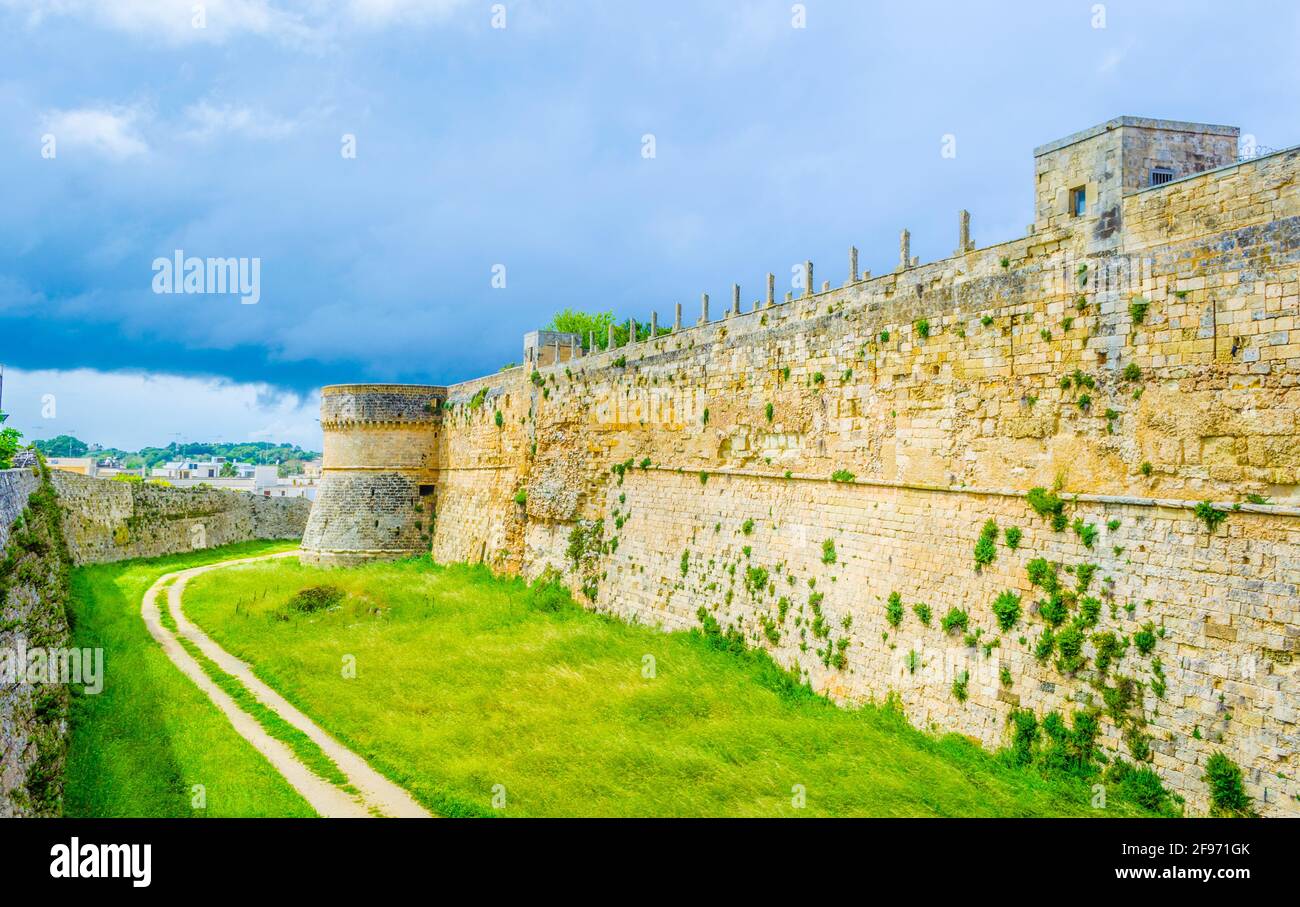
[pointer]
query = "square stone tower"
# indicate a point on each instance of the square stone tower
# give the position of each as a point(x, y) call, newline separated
point(1079, 180)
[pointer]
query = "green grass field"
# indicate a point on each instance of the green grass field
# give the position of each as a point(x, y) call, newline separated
point(139, 746)
point(467, 685)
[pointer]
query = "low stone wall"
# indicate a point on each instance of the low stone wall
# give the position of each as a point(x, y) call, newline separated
point(107, 521)
point(33, 616)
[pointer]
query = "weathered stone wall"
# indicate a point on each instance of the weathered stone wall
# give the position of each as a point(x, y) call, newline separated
point(379, 461)
point(33, 600)
point(106, 521)
point(16, 486)
point(1139, 380)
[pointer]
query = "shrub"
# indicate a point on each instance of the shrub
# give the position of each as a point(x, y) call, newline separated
point(1086, 532)
point(1024, 736)
point(1013, 536)
point(894, 609)
point(1042, 573)
point(828, 552)
point(769, 411)
point(986, 549)
point(1228, 798)
point(959, 686)
point(1138, 308)
point(316, 598)
point(842, 475)
point(922, 612)
point(1146, 468)
point(922, 328)
point(986, 320)
point(1210, 516)
point(1069, 642)
point(955, 619)
point(1132, 372)
point(747, 527)
point(818, 377)
point(521, 496)
point(1048, 505)
point(1006, 607)
point(884, 336)
point(686, 562)
point(1145, 639)
point(499, 419)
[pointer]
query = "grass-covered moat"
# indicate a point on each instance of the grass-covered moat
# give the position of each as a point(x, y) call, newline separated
point(483, 696)
point(150, 743)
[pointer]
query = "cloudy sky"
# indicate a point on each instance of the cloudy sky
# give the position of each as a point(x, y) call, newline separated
point(130, 129)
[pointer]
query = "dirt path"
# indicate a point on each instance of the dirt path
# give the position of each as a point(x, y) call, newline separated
point(376, 794)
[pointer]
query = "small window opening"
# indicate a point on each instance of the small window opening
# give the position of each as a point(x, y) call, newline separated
point(1078, 201)
point(426, 490)
point(1161, 175)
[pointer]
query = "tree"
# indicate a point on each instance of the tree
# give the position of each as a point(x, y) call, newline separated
point(63, 446)
point(228, 470)
point(9, 443)
point(585, 324)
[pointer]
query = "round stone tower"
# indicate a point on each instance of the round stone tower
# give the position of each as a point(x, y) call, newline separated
point(376, 495)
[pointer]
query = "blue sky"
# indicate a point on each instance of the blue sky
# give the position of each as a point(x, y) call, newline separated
point(478, 146)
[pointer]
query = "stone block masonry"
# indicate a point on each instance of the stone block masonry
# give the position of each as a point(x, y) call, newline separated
point(33, 617)
point(792, 468)
point(107, 521)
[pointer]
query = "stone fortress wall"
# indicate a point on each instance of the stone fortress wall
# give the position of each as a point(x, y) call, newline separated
point(106, 521)
point(1138, 358)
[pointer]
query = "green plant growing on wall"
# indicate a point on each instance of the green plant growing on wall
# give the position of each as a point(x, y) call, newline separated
point(645, 463)
point(1024, 736)
point(842, 476)
point(1138, 309)
point(1145, 639)
point(959, 686)
point(769, 411)
point(704, 477)
point(1004, 675)
point(499, 419)
point(922, 327)
point(894, 609)
point(986, 320)
point(536, 378)
point(620, 362)
point(1132, 372)
point(1228, 797)
point(1085, 402)
point(913, 661)
point(1049, 506)
point(1210, 515)
point(1012, 536)
point(1006, 608)
point(921, 610)
point(704, 418)
point(828, 552)
point(1046, 335)
point(986, 548)
point(1042, 573)
point(1086, 532)
point(818, 378)
point(1067, 323)
point(747, 527)
point(1046, 645)
point(884, 336)
point(1146, 468)
point(1069, 643)
point(847, 376)
point(955, 619)
point(521, 496)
